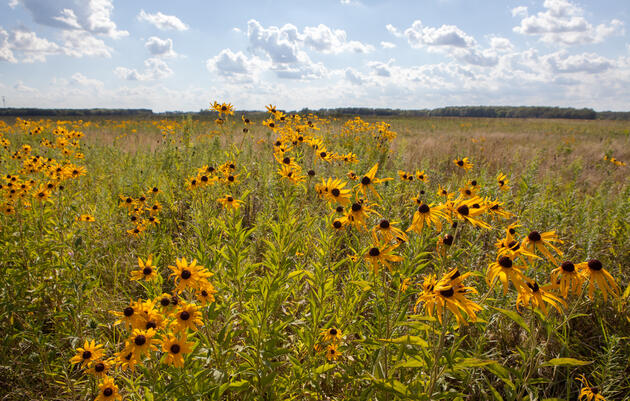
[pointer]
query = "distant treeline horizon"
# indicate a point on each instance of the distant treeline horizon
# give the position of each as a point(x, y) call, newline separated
point(451, 111)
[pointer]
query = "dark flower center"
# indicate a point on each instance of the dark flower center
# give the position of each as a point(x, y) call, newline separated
point(374, 252)
point(460, 163)
point(87, 354)
point(337, 224)
point(286, 160)
point(594, 390)
point(501, 182)
point(99, 367)
point(231, 178)
point(494, 207)
point(150, 325)
point(505, 262)
point(384, 224)
point(448, 240)
point(455, 275)
point(534, 236)
point(311, 172)
point(366, 181)
point(512, 231)
point(595, 264)
point(468, 192)
point(322, 154)
point(204, 178)
point(568, 267)
point(174, 300)
point(335, 192)
point(356, 207)
point(108, 392)
point(332, 332)
point(140, 340)
point(339, 209)
point(175, 348)
point(204, 293)
point(230, 199)
point(463, 210)
point(128, 311)
point(473, 183)
point(514, 245)
point(534, 287)
point(186, 274)
point(184, 315)
point(475, 206)
point(424, 208)
point(164, 302)
point(147, 271)
point(447, 293)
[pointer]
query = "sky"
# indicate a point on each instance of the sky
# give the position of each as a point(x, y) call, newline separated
point(409, 54)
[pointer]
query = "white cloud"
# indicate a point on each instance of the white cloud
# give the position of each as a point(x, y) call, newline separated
point(520, 11)
point(284, 48)
point(591, 63)
point(393, 30)
point(163, 21)
point(387, 45)
point(6, 54)
point(81, 43)
point(562, 22)
point(160, 47)
point(34, 48)
point(420, 36)
point(81, 80)
point(382, 69)
point(353, 76)
point(93, 16)
point(236, 66)
point(155, 69)
point(499, 43)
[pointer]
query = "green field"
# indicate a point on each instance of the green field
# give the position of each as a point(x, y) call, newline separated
point(297, 306)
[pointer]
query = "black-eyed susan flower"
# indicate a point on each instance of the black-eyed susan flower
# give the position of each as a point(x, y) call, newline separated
point(130, 315)
point(187, 275)
point(567, 279)
point(332, 352)
point(463, 163)
point(468, 191)
point(589, 392)
point(429, 215)
point(174, 348)
point(536, 241)
point(89, 353)
point(205, 293)
point(448, 293)
point(596, 274)
point(405, 176)
point(353, 176)
point(381, 255)
point(357, 214)
point(444, 242)
point(538, 297)
point(422, 176)
point(142, 341)
point(368, 181)
point(388, 231)
point(331, 334)
point(146, 270)
point(126, 359)
point(99, 368)
point(336, 192)
point(108, 390)
point(228, 202)
point(469, 210)
point(187, 316)
point(503, 181)
point(86, 218)
point(505, 269)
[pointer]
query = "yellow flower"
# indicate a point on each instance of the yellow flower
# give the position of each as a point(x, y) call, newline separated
point(142, 341)
point(87, 354)
point(368, 181)
point(146, 270)
point(229, 202)
point(388, 231)
point(427, 214)
point(537, 241)
point(505, 270)
point(99, 368)
point(567, 278)
point(463, 163)
point(107, 390)
point(382, 255)
point(187, 275)
point(594, 270)
point(588, 392)
point(538, 297)
point(332, 352)
point(174, 348)
point(503, 182)
point(187, 316)
point(331, 334)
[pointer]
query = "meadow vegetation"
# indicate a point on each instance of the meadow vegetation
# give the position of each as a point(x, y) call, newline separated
point(307, 258)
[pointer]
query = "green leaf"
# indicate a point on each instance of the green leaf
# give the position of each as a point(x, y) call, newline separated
point(408, 340)
point(364, 285)
point(410, 363)
point(324, 368)
point(514, 317)
point(472, 363)
point(566, 362)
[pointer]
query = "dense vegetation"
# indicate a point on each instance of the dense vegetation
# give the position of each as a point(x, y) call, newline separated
point(334, 258)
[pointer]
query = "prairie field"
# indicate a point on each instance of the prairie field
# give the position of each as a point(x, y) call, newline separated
point(297, 257)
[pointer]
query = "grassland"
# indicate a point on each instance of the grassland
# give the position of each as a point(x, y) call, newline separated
point(284, 276)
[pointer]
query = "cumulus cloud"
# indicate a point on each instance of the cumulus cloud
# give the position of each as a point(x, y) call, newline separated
point(31, 46)
point(163, 21)
point(79, 79)
point(323, 39)
point(520, 11)
point(563, 22)
point(6, 54)
point(160, 47)
point(79, 44)
point(353, 76)
point(94, 16)
point(236, 66)
point(155, 69)
point(420, 36)
point(387, 45)
point(393, 30)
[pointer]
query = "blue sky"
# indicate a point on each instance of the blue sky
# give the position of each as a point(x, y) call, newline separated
point(167, 55)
